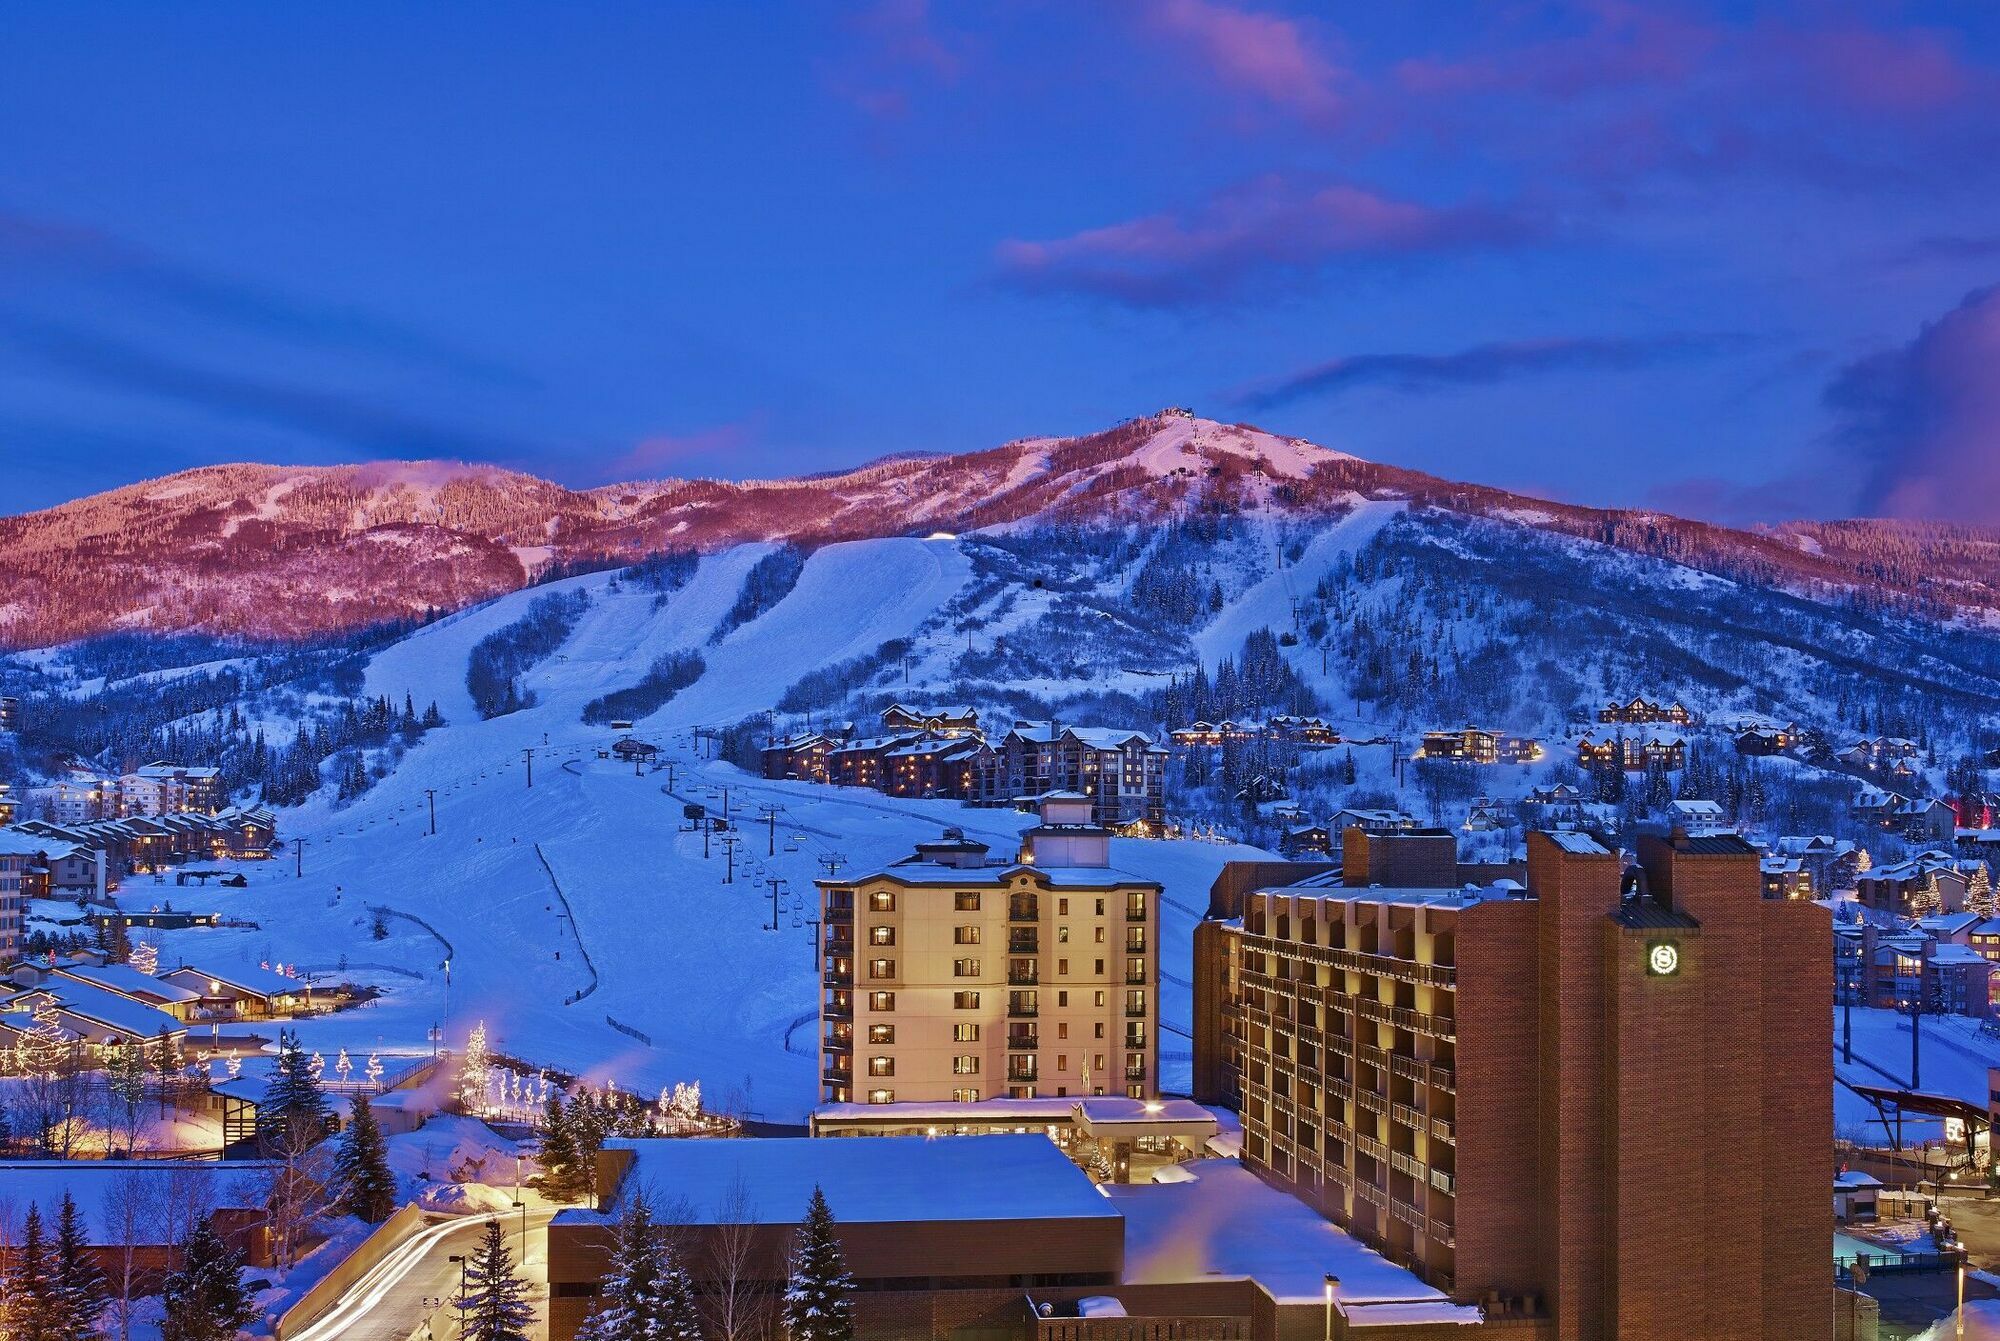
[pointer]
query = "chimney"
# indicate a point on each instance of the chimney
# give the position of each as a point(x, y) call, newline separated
point(103, 876)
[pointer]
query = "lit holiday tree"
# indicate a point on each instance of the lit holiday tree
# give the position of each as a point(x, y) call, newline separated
point(374, 1071)
point(1979, 893)
point(342, 1067)
point(475, 1074)
point(146, 957)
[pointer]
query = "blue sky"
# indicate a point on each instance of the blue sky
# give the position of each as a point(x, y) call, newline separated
point(1727, 259)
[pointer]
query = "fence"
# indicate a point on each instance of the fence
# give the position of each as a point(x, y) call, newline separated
point(629, 1031)
point(574, 930)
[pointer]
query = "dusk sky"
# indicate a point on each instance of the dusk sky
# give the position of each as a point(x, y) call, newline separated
point(1733, 260)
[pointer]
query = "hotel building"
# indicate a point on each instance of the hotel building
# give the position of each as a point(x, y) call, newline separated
point(1597, 1103)
point(951, 976)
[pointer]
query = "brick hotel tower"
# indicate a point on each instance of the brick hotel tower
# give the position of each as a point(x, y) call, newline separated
point(1599, 1105)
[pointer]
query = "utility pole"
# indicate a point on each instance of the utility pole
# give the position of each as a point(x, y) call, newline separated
point(725, 803)
point(771, 820)
point(299, 857)
point(812, 923)
point(529, 755)
point(706, 829)
point(670, 775)
point(774, 882)
point(729, 842)
point(431, 792)
point(833, 861)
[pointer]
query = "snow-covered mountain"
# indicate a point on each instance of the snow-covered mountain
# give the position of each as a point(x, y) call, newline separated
point(272, 552)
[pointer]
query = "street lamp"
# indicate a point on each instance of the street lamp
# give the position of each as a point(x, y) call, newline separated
point(457, 1305)
point(1332, 1284)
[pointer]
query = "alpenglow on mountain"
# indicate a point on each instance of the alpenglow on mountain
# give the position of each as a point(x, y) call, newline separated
point(288, 552)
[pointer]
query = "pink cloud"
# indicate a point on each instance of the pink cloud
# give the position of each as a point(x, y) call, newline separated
point(1265, 55)
point(1926, 418)
point(1910, 70)
point(897, 49)
point(1272, 224)
point(678, 453)
point(1622, 46)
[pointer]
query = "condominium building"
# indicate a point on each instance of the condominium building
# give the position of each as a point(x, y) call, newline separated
point(19, 857)
point(953, 976)
point(1542, 1095)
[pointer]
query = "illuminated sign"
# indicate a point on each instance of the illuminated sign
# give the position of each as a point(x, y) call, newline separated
point(1663, 958)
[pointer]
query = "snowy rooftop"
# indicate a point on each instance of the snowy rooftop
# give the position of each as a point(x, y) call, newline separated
point(867, 1179)
point(1225, 1221)
point(246, 978)
point(1098, 1109)
point(128, 981)
point(912, 872)
point(1436, 1312)
point(102, 1006)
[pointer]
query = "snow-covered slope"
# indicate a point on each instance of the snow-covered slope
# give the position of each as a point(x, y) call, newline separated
point(583, 923)
point(291, 553)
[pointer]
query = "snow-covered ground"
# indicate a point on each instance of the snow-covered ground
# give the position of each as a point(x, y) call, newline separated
point(1953, 1061)
point(580, 905)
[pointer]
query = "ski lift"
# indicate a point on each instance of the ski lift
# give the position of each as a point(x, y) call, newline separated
point(795, 918)
point(791, 847)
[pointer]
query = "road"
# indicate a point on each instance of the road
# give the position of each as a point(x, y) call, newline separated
point(401, 1292)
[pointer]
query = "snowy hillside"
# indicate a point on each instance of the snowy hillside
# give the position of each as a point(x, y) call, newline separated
point(587, 884)
point(299, 553)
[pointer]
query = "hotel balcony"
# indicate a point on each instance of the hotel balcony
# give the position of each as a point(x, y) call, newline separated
point(1023, 1038)
point(1021, 1010)
point(838, 1006)
point(1024, 941)
point(1020, 1074)
point(1024, 910)
point(1026, 977)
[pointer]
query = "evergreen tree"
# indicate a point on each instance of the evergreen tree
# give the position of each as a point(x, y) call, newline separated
point(294, 1106)
point(205, 1299)
point(561, 1170)
point(80, 1296)
point(492, 1307)
point(114, 940)
point(818, 1292)
point(367, 1189)
point(31, 1311)
point(650, 1297)
point(125, 1079)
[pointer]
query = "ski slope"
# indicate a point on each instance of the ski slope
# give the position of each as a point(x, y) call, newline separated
point(849, 600)
point(582, 923)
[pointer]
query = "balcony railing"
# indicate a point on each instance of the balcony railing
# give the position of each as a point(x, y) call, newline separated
point(1023, 910)
point(1026, 1040)
point(1024, 941)
point(1023, 978)
point(1021, 1011)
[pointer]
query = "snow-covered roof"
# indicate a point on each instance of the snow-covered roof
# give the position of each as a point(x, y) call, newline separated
point(261, 981)
point(99, 1006)
point(1224, 1221)
point(128, 981)
point(866, 1179)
